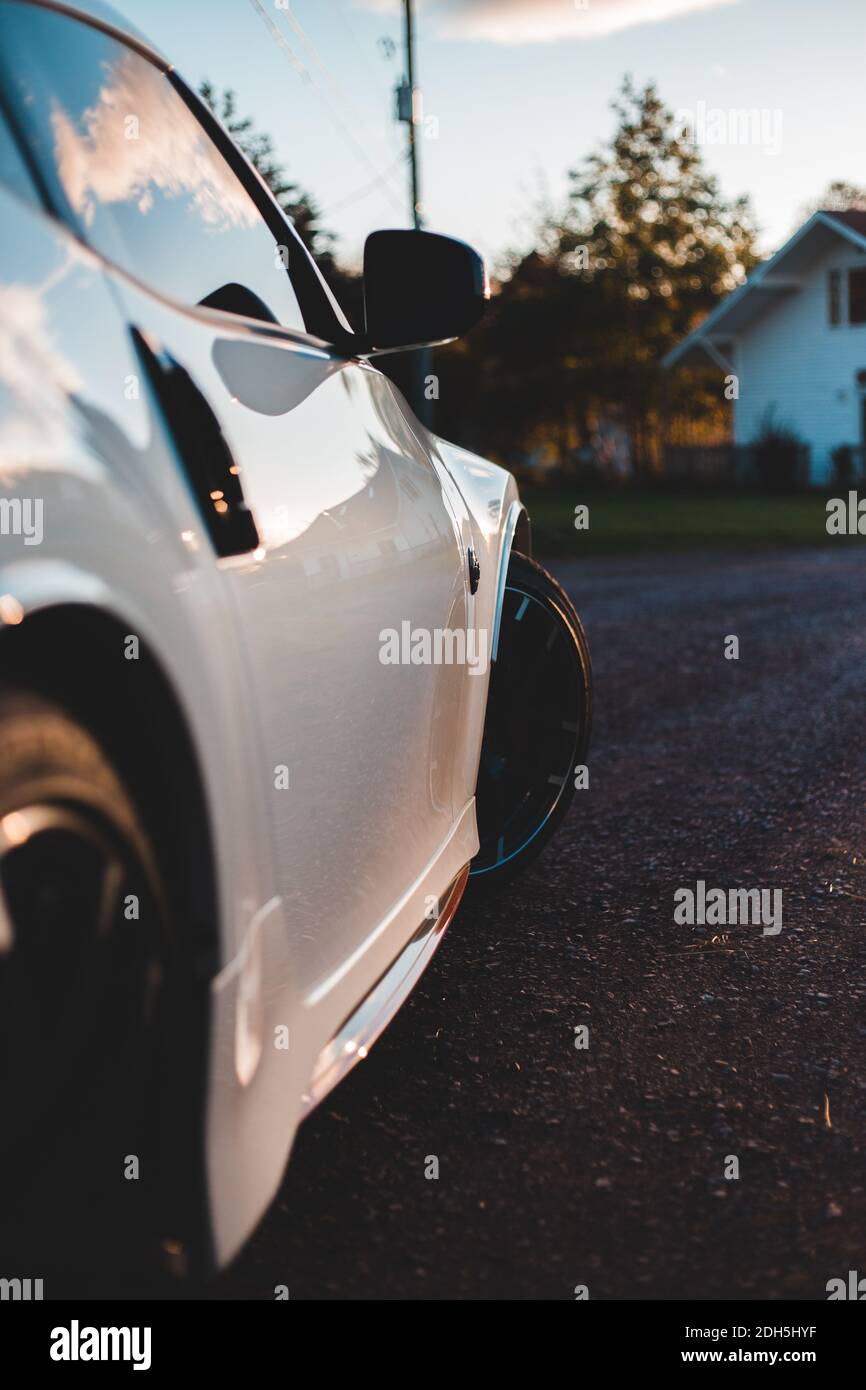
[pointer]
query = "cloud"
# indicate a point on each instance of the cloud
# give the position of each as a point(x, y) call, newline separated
point(543, 21)
point(101, 158)
point(35, 381)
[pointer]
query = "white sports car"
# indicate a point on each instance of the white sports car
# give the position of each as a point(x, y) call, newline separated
point(277, 674)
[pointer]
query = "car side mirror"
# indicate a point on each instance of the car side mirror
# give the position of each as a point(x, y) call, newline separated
point(420, 288)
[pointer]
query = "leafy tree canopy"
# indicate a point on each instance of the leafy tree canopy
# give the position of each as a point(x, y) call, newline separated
point(644, 247)
point(838, 196)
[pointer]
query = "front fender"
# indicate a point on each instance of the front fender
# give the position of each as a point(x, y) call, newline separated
point(497, 519)
point(491, 518)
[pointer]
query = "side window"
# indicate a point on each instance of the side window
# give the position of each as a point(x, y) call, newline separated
point(133, 171)
point(14, 173)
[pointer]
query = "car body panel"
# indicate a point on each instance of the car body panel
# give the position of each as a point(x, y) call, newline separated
point(371, 816)
point(364, 522)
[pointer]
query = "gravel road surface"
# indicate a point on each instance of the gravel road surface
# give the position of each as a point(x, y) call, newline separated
point(605, 1166)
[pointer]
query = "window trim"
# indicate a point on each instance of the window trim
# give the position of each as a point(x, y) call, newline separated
point(322, 319)
point(859, 269)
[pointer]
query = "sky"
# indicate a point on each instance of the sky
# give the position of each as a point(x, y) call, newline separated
point(517, 92)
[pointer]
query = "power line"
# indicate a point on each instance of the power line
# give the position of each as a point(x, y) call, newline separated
point(304, 73)
point(332, 81)
point(367, 188)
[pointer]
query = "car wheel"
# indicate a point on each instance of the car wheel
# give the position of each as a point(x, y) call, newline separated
point(537, 725)
point(84, 964)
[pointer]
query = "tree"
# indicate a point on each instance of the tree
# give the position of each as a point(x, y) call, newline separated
point(644, 248)
point(656, 229)
point(838, 196)
point(660, 247)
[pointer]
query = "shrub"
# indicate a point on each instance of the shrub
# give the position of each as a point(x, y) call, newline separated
point(779, 455)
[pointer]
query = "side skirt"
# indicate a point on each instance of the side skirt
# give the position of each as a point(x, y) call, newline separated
point(361, 1029)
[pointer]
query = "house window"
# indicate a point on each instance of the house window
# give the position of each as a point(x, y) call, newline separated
point(834, 296)
point(857, 295)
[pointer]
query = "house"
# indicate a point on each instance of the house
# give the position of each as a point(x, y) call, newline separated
point(794, 337)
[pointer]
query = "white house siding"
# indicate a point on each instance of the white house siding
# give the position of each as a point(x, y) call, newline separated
point(793, 359)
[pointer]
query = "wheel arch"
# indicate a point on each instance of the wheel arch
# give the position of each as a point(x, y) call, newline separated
point(69, 651)
point(522, 538)
point(516, 535)
point(72, 652)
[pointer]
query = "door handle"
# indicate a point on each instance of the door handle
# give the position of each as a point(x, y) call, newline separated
point(207, 459)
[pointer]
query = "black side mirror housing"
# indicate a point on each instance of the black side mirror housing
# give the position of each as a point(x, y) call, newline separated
point(420, 289)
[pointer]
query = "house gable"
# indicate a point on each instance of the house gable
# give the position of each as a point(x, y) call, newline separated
point(774, 279)
point(776, 336)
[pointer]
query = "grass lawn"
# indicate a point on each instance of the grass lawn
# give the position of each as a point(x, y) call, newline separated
point(624, 522)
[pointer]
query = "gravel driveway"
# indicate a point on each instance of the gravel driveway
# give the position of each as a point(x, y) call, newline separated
point(605, 1166)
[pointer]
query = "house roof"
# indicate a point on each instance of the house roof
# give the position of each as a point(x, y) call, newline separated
point(771, 281)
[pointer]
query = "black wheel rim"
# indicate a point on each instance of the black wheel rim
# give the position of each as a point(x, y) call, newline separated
point(532, 731)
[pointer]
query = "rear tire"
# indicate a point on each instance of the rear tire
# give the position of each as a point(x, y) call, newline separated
point(85, 1026)
point(537, 728)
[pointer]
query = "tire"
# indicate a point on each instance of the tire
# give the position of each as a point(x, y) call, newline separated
point(537, 728)
point(84, 1019)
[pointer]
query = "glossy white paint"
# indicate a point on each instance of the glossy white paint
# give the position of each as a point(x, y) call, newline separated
point(364, 520)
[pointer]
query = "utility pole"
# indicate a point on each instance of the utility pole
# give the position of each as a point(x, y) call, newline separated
point(409, 111)
point(414, 99)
